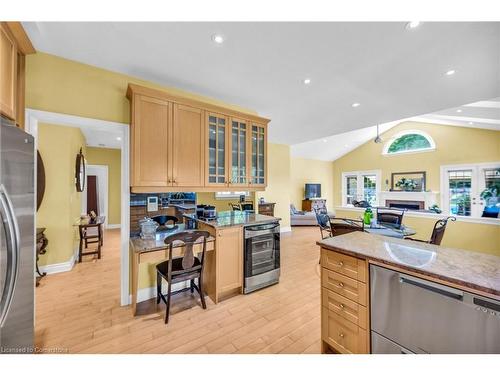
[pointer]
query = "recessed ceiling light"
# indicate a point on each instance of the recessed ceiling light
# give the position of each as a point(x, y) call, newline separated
point(459, 110)
point(346, 145)
point(450, 72)
point(412, 24)
point(118, 138)
point(354, 105)
point(307, 81)
point(217, 38)
point(324, 140)
point(471, 123)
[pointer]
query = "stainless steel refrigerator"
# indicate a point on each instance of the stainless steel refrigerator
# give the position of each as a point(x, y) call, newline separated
point(17, 238)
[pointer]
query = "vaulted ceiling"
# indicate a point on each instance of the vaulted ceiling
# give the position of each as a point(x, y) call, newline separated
point(392, 71)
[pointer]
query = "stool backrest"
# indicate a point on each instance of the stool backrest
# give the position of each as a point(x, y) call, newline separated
point(164, 219)
point(439, 229)
point(188, 239)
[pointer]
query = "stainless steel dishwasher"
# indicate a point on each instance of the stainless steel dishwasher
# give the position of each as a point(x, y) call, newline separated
point(412, 315)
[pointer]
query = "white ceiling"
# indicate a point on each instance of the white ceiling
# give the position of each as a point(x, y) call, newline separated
point(393, 72)
point(483, 115)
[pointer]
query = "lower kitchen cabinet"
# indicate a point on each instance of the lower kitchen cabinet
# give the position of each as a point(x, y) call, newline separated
point(223, 274)
point(229, 246)
point(345, 306)
point(342, 335)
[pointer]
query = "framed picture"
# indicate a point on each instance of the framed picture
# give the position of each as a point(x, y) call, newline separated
point(408, 181)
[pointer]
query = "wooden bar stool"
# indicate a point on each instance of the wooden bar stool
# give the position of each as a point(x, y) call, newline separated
point(90, 233)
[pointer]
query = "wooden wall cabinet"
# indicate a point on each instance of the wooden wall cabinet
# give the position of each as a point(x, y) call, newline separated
point(8, 72)
point(180, 144)
point(14, 45)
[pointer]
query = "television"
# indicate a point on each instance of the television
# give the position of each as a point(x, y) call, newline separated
point(312, 191)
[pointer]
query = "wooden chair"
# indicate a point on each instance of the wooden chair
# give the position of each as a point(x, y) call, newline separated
point(437, 232)
point(188, 267)
point(390, 216)
point(246, 206)
point(235, 206)
point(340, 226)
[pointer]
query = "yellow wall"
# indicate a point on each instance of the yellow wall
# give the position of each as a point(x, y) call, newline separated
point(278, 181)
point(112, 158)
point(58, 85)
point(304, 171)
point(454, 145)
point(61, 205)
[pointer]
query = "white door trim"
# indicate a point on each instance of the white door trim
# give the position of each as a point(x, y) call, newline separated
point(33, 117)
point(101, 171)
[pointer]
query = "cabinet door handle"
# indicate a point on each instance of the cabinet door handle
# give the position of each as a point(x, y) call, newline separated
point(341, 306)
point(341, 285)
point(341, 335)
point(341, 263)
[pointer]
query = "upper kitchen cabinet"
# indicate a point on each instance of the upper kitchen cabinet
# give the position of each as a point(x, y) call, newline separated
point(258, 159)
point(239, 164)
point(217, 137)
point(150, 132)
point(180, 144)
point(14, 45)
point(188, 146)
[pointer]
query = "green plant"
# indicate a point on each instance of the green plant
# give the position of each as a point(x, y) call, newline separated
point(435, 208)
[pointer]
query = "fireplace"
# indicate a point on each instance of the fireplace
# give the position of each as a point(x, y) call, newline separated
point(405, 204)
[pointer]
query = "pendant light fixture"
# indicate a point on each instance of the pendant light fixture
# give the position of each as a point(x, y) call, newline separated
point(377, 138)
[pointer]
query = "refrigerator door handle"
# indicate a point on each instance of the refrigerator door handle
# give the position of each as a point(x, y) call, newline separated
point(13, 248)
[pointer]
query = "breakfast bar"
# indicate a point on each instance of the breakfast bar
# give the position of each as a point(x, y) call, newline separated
point(387, 295)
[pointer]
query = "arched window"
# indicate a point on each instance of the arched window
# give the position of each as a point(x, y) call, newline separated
point(409, 141)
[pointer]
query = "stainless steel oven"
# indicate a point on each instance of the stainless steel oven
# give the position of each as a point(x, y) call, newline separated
point(262, 256)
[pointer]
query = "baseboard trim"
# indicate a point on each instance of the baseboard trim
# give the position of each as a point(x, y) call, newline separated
point(114, 226)
point(60, 267)
point(285, 229)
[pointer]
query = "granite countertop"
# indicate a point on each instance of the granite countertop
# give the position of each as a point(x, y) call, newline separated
point(235, 219)
point(471, 269)
point(139, 244)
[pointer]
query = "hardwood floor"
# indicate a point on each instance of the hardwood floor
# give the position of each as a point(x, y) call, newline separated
point(80, 312)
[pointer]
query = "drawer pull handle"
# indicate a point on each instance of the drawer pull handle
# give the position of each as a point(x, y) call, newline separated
point(341, 285)
point(341, 335)
point(341, 306)
point(341, 263)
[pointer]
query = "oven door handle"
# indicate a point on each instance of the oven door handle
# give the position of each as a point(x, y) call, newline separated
point(260, 228)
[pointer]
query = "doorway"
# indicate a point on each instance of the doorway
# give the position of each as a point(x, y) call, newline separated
point(95, 194)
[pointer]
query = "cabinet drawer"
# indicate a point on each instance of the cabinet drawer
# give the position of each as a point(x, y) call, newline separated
point(346, 308)
point(345, 286)
point(344, 264)
point(342, 335)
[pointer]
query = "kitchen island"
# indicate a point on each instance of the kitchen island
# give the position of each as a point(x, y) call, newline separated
point(440, 295)
point(223, 269)
point(225, 264)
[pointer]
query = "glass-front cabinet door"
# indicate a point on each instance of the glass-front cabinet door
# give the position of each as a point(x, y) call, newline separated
point(238, 170)
point(258, 155)
point(218, 135)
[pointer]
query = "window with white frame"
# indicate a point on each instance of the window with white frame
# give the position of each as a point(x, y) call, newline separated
point(359, 186)
point(471, 189)
point(231, 194)
point(409, 141)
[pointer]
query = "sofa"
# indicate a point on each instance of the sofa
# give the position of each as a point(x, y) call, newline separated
point(304, 218)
